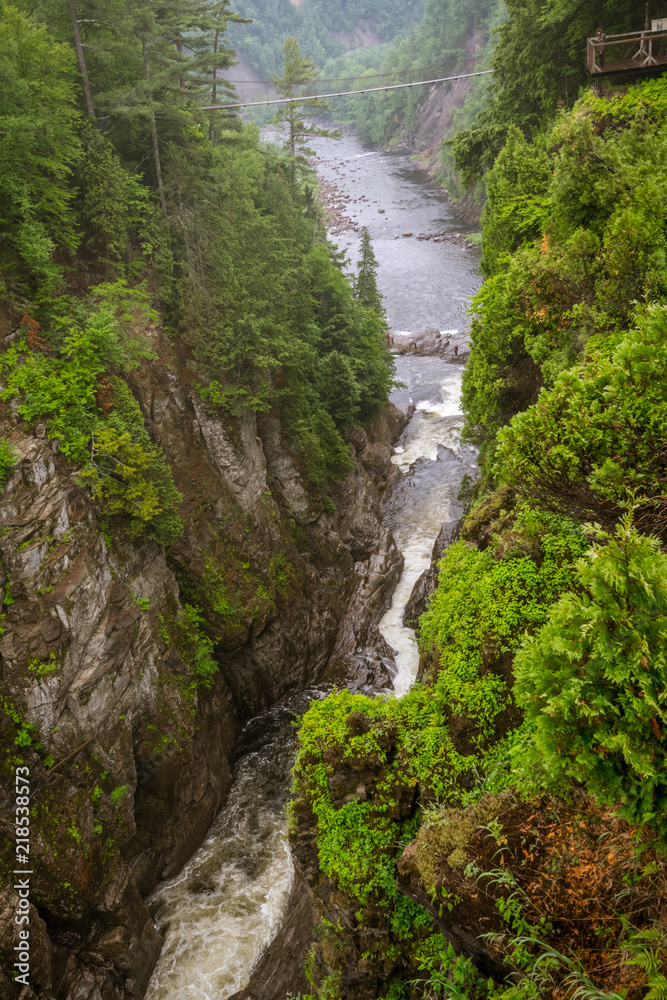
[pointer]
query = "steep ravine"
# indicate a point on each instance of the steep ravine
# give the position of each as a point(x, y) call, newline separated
point(129, 759)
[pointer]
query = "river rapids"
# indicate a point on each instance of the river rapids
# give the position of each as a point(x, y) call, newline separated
point(223, 909)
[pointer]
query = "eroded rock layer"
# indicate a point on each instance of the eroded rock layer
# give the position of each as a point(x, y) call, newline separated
point(101, 695)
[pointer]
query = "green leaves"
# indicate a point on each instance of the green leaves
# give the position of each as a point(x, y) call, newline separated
point(574, 239)
point(483, 607)
point(96, 419)
point(39, 147)
point(596, 441)
point(8, 459)
point(593, 681)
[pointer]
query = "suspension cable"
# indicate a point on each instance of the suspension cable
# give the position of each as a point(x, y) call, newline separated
point(344, 93)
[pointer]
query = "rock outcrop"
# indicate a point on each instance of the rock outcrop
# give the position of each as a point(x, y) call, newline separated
point(128, 752)
point(451, 345)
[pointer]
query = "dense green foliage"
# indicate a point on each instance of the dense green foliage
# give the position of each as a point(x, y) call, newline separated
point(483, 607)
point(573, 239)
point(593, 681)
point(318, 24)
point(237, 262)
point(127, 474)
point(539, 63)
point(8, 459)
point(594, 442)
point(40, 145)
point(356, 842)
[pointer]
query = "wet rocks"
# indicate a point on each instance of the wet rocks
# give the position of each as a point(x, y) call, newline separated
point(444, 237)
point(141, 750)
point(280, 969)
point(362, 659)
point(451, 345)
point(335, 203)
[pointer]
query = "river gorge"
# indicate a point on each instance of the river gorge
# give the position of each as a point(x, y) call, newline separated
point(221, 911)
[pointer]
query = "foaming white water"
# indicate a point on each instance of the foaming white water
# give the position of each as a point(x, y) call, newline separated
point(221, 912)
point(415, 541)
point(436, 423)
point(428, 494)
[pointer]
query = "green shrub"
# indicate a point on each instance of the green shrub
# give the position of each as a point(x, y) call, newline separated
point(593, 681)
point(127, 474)
point(195, 647)
point(595, 441)
point(483, 607)
point(406, 745)
point(573, 244)
point(8, 459)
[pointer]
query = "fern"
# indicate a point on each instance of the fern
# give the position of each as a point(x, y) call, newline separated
point(649, 955)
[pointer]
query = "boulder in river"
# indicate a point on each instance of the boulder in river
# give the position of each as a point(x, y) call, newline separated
point(449, 344)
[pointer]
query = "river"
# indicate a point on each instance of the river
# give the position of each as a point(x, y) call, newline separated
point(223, 909)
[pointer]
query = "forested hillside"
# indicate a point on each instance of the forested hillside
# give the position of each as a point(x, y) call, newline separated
point(500, 831)
point(324, 28)
point(182, 353)
point(434, 47)
point(145, 202)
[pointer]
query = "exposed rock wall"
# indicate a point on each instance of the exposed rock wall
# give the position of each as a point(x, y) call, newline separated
point(128, 755)
point(435, 117)
point(435, 114)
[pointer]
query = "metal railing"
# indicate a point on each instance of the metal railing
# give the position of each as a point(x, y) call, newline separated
point(635, 50)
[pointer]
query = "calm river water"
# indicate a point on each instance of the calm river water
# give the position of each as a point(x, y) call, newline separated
point(221, 912)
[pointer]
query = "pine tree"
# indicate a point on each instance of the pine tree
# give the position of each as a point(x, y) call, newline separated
point(299, 70)
point(365, 283)
point(163, 43)
point(217, 57)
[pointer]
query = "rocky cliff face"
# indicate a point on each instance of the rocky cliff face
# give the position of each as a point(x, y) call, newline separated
point(128, 751)
point(435, 114)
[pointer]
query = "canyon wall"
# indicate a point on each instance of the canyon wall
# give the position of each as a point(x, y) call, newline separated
point(103, 695)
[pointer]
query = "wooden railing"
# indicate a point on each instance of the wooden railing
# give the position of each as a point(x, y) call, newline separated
point(636, 50)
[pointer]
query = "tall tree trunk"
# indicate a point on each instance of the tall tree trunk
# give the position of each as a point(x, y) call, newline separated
point(82, 61)
point(158, 166)
point(156, 148)
point(214, 92)
point(292, 144)
point(179, 49)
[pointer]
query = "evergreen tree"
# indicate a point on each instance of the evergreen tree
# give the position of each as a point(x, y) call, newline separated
point(216, 57)
point(365, 282)
point(38, 149)
point(593, 681)
point(298, 71)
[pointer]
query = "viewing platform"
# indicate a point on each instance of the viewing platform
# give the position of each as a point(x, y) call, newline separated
point(637, 52)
